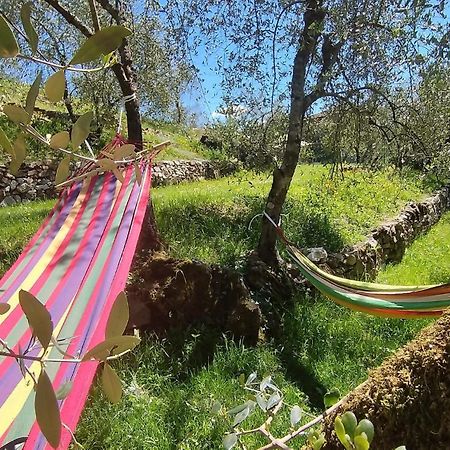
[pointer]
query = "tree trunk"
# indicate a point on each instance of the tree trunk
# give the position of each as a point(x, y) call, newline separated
point(408, 397)
point(300, 102)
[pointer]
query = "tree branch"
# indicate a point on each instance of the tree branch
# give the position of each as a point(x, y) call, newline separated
point(70, 18)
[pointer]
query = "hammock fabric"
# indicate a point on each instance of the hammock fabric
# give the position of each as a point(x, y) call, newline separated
point(76, 264)
point(372, 298)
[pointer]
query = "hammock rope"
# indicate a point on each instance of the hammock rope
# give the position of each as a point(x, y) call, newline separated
point(371, 298)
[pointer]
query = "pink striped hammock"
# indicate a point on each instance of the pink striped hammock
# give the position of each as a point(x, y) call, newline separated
point(76, 264)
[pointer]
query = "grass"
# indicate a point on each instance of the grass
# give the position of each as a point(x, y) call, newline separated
point(209, 220)
point(19, 223)
point(171, 383)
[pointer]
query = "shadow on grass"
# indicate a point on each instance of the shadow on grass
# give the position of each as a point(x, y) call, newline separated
point(220, 232)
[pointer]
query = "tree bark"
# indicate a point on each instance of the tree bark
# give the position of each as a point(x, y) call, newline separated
point(408, 397)
point(300, 102)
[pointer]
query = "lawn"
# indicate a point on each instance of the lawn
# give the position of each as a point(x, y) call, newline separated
point(172, 382)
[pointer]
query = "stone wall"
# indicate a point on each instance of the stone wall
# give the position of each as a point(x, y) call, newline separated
point(36, 179)
point(387, 243)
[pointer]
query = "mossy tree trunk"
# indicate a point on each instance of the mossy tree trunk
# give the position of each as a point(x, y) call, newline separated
point(407, 398)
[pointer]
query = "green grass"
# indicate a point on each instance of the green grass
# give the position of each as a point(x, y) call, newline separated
point(172, 382)
point(208, 220)
point(426, 261)
point(19, 223)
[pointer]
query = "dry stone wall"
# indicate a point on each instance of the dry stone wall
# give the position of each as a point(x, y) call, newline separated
point(387, 243)
point(35, 180)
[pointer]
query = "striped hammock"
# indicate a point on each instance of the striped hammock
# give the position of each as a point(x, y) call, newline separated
point(372, 298)
point(76, 264)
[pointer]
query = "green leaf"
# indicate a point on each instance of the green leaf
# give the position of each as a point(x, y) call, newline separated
point(110, 347)
point(8, 43)
point(38, 317)
point(261, 401)
point(265, 382)
point(111, 384)
point(64, 390)
point(216, 407)
point(340, 433)
point(237, 409)
point(20, 154)
point(55, 85)
point(273, 401)
point(81, 129)
point(365, 426)
point(296, 415)
point(5, 143)
point(229, 441)
point(402, 447)
point(16, 113)
point(331, 398)
point(241, 416)
point(25, 15)
point(47, 411)
point(118, 317)
point(361, 442)
point(101, 43)
point(251, 378)
point(318, 444)
point(32, 94)
point(60, 140)
point(124, 151)
point(63, 170)
point(4, 308)
point(349, 420)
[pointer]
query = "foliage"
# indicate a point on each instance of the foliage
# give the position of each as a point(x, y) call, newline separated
point(257, 143)
point(210, 220)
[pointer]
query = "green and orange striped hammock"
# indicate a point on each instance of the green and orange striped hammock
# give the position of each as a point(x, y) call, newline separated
point(372, 298)
point(76, 264)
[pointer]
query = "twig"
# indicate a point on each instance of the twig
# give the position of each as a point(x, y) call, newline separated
point(59, 66)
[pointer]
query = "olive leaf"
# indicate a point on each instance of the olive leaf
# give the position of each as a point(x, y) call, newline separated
point(123, 151)
point(38, 317)
point(118, 317)
point(296, 415)
point(5, 143)
point(32, 94)
point(25, 16)
point(60, 140)
point(47, 412)
point(110, 347)
point(8, 42)
point(19, 154)
point(55, 85)
point(63, 170)
point(230, 440)
point(108, 164)
point(16, 113)
point(101, 43)
point(81, 129)
point(4, 308)
point(111, 384)
point(241, 416)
